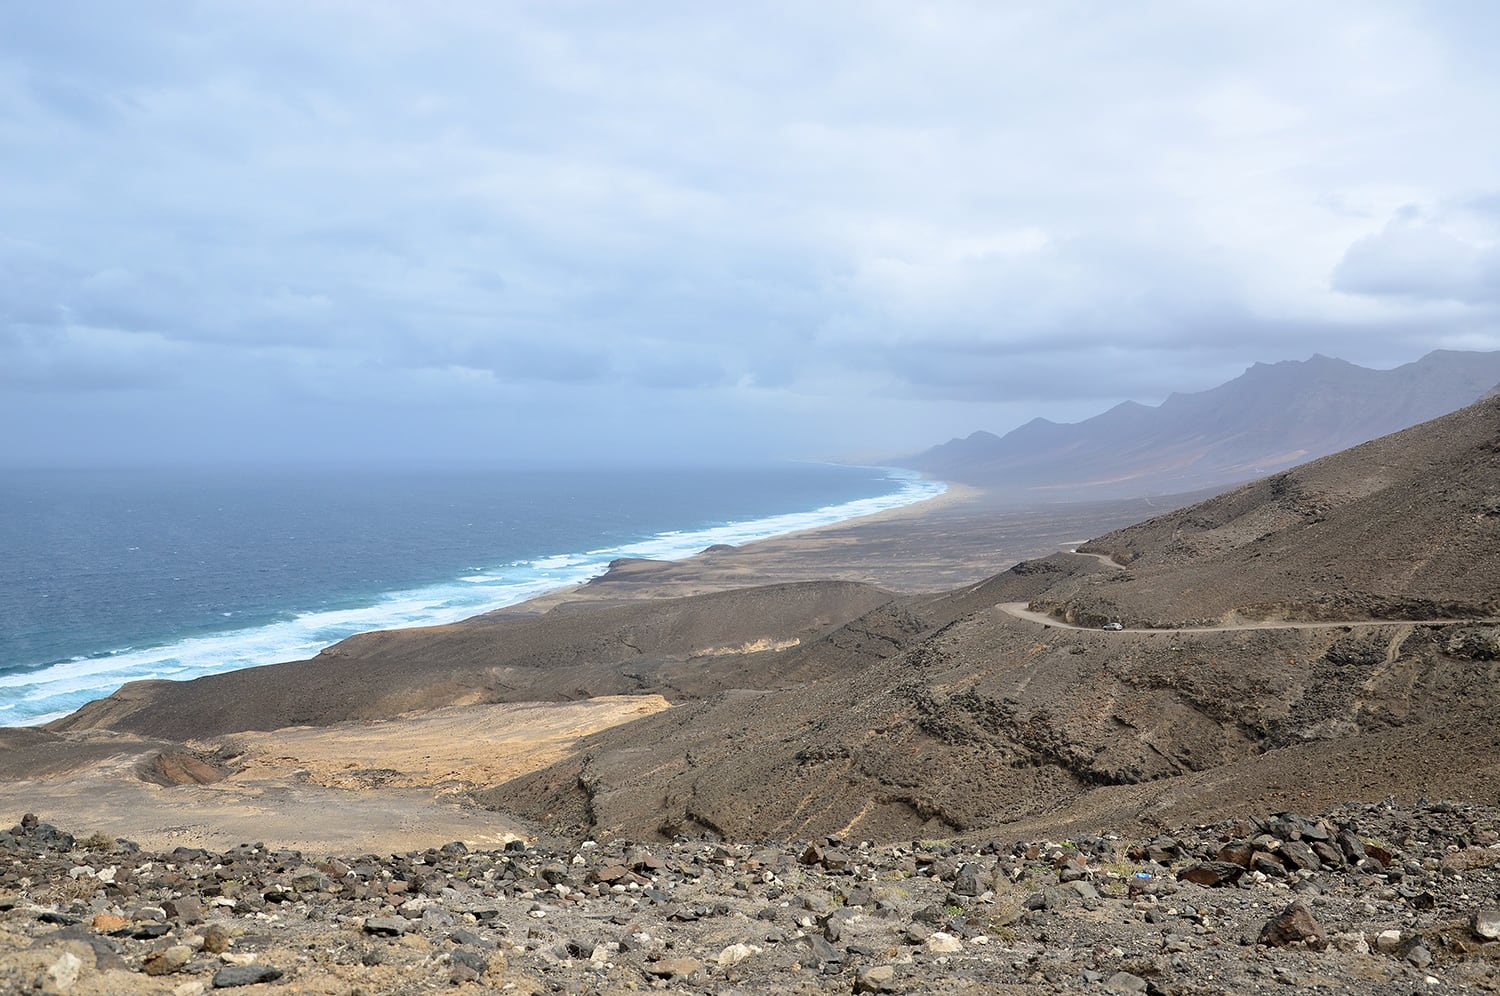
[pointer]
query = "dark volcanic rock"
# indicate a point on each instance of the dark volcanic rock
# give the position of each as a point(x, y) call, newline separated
point(1294, 926)
point(1212, 873)
point(244, 975)
point(718, 917)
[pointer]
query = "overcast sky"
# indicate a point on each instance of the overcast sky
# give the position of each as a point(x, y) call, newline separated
point(500, 231)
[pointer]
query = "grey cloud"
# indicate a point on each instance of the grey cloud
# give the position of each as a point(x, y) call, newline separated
point(1416, 258)
point(815, 209)
point(58, 358)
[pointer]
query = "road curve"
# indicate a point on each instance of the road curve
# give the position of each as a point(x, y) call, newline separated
point(1020, 611)
point(1104, 559)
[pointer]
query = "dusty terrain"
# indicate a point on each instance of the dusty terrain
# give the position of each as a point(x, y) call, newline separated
point(372, 785)
point(1366, 899)
point(400, 715)
point(1325, 636)
point(819, 707)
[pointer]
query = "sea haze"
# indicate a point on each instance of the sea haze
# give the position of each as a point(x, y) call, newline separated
point(108, 577)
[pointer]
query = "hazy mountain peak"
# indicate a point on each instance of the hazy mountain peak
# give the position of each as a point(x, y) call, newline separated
point(1271, 417)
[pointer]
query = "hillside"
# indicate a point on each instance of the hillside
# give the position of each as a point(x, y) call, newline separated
point(1272, 417)
point(1403, 527)
point(974, 721)
point(836, 708)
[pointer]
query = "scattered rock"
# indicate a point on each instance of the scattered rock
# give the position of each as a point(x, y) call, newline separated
point(167, 960)
point(940, 942)
point(387, 926)
point(876, 979)
point(1213, 873)
point(736, 953)
point(64, 971)
point(737, 917)
point(244, 975)
point(1294, 926)
point(108, 922)
point(1125, 982)
point(674, 968)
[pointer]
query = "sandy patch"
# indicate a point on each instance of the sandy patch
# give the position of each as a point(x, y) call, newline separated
point(381, 787)
point(449, 750)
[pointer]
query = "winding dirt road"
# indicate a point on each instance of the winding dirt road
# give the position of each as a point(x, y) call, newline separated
point(1020, 611)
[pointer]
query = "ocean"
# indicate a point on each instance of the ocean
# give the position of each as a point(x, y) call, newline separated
point(112, 576)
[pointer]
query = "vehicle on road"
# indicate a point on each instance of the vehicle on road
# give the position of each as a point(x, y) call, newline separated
point(1113, 627)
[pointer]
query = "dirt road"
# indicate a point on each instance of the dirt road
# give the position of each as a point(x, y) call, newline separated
point(1020, 611)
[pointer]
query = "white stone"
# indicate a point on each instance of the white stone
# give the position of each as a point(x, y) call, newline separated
point(64, 971)
point(939, 942)
point(1387, 941)
point(1351, 942)
point(736, 953)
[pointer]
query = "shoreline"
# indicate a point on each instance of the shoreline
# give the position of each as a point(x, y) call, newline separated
point(168, 661)
point(447, 733)
point(960, 537)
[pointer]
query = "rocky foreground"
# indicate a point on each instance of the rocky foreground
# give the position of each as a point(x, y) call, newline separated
point(1376, 899)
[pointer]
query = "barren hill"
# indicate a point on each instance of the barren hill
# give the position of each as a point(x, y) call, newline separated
point(1404, 527)
point(684, 646)
point(809, 709)
point(972, 720)
point(1272, 417)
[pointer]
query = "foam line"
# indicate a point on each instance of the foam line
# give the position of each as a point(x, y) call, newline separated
point(39, 695)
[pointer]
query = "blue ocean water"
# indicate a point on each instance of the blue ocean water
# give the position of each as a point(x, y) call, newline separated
point(112, 576)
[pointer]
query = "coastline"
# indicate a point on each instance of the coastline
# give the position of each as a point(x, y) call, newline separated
point(289, 776)
point(480, 592)
point(960, 537)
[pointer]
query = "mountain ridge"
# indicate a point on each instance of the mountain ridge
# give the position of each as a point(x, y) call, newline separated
point(1272, 417)
point(838, 708)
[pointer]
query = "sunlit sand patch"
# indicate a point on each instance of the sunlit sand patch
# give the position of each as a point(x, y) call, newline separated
point(752, 647)
point(451, 748)
point(383, 787)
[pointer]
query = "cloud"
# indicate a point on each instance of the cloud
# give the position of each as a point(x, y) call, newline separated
point(66, 358)
point(1414, 257)
point(893, 220)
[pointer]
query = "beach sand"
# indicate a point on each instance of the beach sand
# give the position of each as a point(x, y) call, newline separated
point(960, 537)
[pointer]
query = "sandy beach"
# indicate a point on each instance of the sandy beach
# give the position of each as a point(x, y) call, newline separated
point(962, 536)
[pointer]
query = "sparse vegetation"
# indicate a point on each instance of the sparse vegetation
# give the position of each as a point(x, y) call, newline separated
point(98, 841)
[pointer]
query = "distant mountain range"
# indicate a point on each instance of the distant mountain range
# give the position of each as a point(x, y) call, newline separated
point(1271, 417)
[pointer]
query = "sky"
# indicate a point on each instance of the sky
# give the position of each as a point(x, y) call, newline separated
point(571, 232)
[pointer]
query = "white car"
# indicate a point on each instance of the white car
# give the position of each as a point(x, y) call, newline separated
point(1113, 627)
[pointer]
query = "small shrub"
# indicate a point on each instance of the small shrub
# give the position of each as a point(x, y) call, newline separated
point(98, 841)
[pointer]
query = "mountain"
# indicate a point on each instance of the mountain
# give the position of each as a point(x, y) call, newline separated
point(1324, 672)
point(1271, 417)
point(1327, 666)
point(1403, 527)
